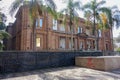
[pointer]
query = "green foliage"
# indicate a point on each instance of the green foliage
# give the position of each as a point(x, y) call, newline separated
point(118, 49)
point(2, 26)
point(93, 9)
point(118, 39)
point(36, 7)
point(3, 33)
point(71, 10)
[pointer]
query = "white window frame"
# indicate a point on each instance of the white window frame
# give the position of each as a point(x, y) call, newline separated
point(41, 22)
point(62, 27)
point(80, 30)
point(38, 42)
point(36, 23)
point(54, 24)
point(99, 33)
point(62, 43)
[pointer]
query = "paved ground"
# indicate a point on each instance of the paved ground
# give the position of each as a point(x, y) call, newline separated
point(66, 73)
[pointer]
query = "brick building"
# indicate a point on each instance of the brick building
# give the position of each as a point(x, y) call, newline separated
point(53, 35)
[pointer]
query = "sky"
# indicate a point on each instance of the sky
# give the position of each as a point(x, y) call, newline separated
point(5, 4)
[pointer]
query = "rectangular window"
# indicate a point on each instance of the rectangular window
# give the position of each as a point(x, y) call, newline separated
point(37, 42)
point(54, 24)
point(99, 33)
point(62, 27)
point(80, 30)
point(41, 22)
point(62, 43)
point(36, 23)
point(88, 32)
point(88, 45)
point(69, 43)
point(81, 45)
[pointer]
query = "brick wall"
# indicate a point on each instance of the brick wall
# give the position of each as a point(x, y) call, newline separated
point(50, 39)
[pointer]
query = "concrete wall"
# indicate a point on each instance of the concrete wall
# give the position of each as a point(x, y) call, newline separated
point(100, 63)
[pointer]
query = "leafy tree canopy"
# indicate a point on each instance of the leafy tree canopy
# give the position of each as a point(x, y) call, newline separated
point(118, 39)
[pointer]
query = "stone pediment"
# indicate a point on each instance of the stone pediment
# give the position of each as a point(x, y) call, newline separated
point(82, 35)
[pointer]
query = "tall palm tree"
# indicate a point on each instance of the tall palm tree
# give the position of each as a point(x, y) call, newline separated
point(108, 18)
point(35, 6)
point(71, 10)
point(94, 8)
point(105, 19)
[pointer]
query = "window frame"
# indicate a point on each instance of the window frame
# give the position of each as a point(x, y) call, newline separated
point(54, 24)
point(38, 44)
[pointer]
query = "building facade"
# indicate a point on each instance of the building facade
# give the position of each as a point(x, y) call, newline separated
point(52, 35)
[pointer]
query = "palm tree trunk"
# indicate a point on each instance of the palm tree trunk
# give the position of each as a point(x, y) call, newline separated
point(71, 34)
point(94, 31)
point(112, 38)
point(47, 23)
point(94, 27)
point(71, 38)
point(34, 32)
point(34, 38)
point(97, 40)
point(71, 27)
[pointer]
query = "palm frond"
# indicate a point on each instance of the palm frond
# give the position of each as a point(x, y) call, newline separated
point(75, 13)
point(99, 4)
point(108, 13)
point(64, 11)
point(114, 7)
point(88, 16)
point(4, 34)
point(51, 4)
point(77, 5)
point(87, 6)
point(15, 5)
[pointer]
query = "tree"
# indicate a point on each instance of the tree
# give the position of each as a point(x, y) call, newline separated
point(116, 17)
point(94, 8)
point(118, 39)
point(118, 50)
point(71, 10)
point(35, 6)
point(3, 34)
point(108, 18)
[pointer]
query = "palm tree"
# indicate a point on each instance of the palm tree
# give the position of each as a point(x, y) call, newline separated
point(108, 18)
point(94, 8)
point(35, 6)
point(71, 10)
point(88, 17)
